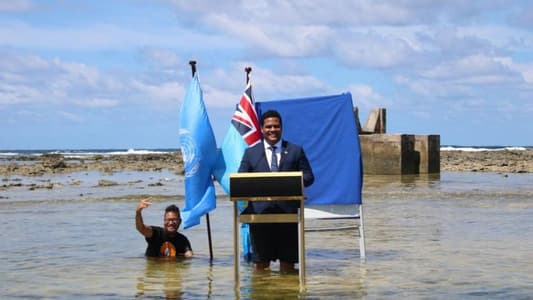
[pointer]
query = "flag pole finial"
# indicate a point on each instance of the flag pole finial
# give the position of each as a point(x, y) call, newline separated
point(248, 70)
point(193, 66)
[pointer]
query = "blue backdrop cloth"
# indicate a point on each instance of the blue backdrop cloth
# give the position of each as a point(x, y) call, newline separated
point(199, 149)
point(325, 127)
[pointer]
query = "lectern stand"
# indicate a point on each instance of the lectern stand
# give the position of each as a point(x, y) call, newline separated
point(268, 186)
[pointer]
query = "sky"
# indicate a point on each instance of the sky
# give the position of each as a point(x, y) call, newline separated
point(112, 74)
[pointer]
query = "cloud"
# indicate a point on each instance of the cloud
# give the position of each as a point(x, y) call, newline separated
point(467, 78)
point(158, 94)
point(365, 97)
point(162, 57)
point(357, 34)
point(339, 13)
point(31, 79)
point(414, 56)
point(13, 118)
point(269, 84)
point(13, 93)
point(276, 39)
point(105, 36)
point(373, 50)
point(71, 117)
point(224, 87)
point(525, 69)
point(522, 17)
point(34, 80)
point(475, 70)
point(98, 102)
point(15, 5)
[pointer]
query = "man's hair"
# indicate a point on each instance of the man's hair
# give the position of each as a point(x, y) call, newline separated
point(172, 208)
point(271, 114)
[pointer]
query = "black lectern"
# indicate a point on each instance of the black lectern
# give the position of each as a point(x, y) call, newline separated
point(268, 186)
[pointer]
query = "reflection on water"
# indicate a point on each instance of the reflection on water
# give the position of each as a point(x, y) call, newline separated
point(462, 235)
point(162, 275)
point(270, 286)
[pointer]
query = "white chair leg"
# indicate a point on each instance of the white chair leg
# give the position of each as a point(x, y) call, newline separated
point(362, 249)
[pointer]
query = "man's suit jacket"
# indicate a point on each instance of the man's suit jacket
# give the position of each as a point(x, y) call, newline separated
point(292, 159)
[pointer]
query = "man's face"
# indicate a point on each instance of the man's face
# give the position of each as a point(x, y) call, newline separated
point(172, 222)
point(271, 130)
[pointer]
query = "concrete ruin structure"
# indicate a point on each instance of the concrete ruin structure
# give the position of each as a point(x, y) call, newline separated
point(395, 154)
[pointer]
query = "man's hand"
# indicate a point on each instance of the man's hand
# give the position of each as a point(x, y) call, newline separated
point(139, 223)
point(144, 203)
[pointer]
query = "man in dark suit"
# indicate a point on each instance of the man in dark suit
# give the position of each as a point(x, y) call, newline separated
point(273, 241)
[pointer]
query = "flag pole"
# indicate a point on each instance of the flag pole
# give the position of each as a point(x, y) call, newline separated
point(193, 71)
point(193, 67)
point(248, 70)
point(246, 244)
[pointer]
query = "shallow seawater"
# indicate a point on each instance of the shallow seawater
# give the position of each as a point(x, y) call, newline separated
point(454, 236)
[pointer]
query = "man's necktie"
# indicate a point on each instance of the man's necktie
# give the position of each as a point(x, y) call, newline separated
point(273, 160)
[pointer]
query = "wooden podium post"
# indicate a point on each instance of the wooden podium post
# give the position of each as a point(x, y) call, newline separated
point(268, 186)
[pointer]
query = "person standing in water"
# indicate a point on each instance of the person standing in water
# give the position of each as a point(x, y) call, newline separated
point(275, 241)
point(163, 241)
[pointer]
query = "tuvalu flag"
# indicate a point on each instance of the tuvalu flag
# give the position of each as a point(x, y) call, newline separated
point(199, 150)
point(243, 132)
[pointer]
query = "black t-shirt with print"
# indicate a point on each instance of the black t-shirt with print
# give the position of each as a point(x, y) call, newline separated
point(161, 244)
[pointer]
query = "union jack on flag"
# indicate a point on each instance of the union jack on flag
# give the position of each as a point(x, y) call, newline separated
point(245, 118)
point(243, 132)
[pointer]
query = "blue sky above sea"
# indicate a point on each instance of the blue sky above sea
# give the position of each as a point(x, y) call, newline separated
point(112, 74)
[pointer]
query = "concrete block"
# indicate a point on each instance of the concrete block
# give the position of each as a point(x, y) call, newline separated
point(376, 122)
point(356, 116)
point(427, 152)
point(388, 154)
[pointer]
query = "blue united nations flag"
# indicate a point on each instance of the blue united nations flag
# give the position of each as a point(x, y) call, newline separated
point(199, 150)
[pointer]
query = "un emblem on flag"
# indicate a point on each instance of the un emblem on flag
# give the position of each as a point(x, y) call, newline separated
point(189, 151)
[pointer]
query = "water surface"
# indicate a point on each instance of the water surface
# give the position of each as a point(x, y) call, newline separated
point(454, 236)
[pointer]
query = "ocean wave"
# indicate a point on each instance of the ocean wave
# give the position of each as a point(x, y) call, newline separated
point(111, 153)
point(86, 153)
point(83, 153)
point(9, 153)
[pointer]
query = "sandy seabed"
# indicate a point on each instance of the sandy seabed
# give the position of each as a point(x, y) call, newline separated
point(500, 161)
point(43, 167)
